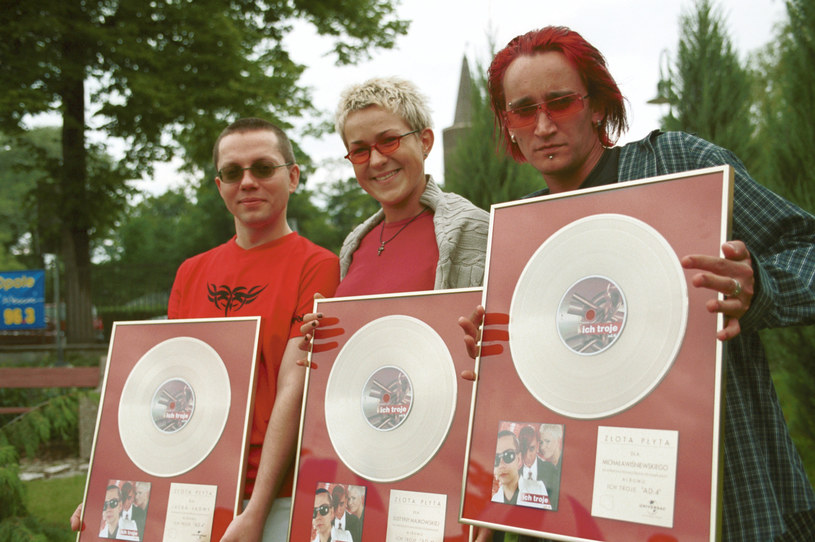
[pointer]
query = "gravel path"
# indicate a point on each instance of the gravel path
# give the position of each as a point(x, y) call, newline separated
point(36, 469)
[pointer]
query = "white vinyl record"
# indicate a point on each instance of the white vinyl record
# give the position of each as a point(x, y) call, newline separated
point(390, 398)
point(174, 406)
point(598, 316)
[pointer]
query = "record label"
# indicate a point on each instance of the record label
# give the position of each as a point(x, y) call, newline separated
point(598, 316)
point(386, 398)
point(591, 315)
point(172, 405)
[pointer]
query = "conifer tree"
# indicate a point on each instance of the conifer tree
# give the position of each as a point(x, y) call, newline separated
point(787, 165)
point(787, 103)
point(709, 89)
point(477, 168)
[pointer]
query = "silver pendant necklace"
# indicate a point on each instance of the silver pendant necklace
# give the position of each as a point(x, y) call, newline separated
point(383, 243)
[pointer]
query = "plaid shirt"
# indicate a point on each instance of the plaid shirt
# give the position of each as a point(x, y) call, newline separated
point(766, 492)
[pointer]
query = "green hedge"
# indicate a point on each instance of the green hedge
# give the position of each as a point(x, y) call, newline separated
point(54, 421)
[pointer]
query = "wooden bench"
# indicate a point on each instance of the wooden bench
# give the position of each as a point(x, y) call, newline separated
point(47, 377)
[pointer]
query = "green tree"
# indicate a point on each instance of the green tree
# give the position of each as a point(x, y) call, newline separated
point(786, 101)
point(155, 236)
point(30, 201)
point(13, 216)
point(21, 174)
point(308, 219)
point(709, 90)
point(7, 260)
point(160, 75)
point(477, 168)
point(346, 206)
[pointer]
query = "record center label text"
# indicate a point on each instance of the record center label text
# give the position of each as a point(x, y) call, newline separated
point(387, 398)
point(611, 328)
point(591, 315)
point(393, 409)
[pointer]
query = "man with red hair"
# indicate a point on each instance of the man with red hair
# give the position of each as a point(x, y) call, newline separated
point(558, 108)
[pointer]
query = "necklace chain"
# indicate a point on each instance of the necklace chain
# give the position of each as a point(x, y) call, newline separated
point(383, 243)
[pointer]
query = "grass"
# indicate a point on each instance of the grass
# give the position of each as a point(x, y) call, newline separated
point(53, 500)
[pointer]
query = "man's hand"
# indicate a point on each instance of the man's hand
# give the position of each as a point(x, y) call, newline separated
point(732, 276)
point(76, 518)
point(245, 528)
point(482, 534)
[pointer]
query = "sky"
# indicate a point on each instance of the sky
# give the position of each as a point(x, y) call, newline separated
point(636, 37)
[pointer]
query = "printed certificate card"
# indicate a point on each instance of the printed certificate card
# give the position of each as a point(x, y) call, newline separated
point(635, 475)
point(415, 516)
point(190, 509)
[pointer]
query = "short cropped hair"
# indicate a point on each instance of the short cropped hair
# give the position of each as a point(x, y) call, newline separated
point(507, 433)
point(118, 490)
point(604, 94)
point(356, 490)
point(321, 490)
point(398, 96)
point(252, 124)
point(554, 429)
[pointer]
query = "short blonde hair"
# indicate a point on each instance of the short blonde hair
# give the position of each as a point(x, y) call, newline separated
point(399, 96)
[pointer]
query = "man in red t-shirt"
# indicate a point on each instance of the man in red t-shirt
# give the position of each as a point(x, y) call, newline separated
point(266, 270)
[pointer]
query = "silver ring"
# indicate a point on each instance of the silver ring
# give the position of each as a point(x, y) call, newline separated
point(736, 288)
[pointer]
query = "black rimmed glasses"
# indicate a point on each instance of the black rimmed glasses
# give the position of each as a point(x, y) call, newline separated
point(111, 503)
point(262, 169)
point(556, 108)
point(323, 510)
point(508, 456)
point(387, 145)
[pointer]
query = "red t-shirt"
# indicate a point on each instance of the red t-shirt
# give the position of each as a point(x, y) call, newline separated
point(278, 281)
point(407, 264)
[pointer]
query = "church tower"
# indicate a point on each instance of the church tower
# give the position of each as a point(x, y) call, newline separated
point(463, 117)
